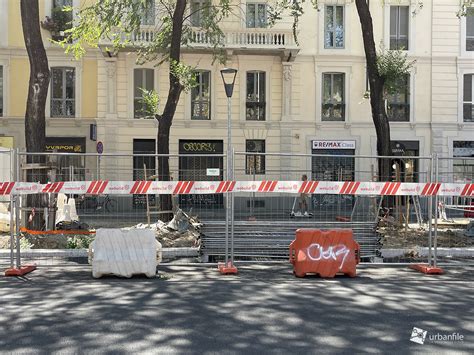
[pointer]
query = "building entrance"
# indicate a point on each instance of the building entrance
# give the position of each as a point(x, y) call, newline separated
point(201, 168)
point(142, 164)
point(333, 167)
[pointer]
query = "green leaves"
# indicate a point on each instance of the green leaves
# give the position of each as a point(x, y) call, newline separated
point(393, 65)
point(150, 101)
point(466, 7)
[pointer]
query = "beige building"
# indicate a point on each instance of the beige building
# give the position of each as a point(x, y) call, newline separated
point(294, 98)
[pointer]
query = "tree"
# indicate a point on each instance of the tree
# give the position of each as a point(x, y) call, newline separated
point(118, 20)
point(376, 83)
point(35, 131)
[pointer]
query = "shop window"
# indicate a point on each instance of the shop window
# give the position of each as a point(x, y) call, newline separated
point(63, 92)
point(201, 96)
point(68, 167)
point(468, 102)
point(255, 164)
point(398, 103)
point(255, 103)
point(199, 11)
point(148, 16)
point(256, 15)
point(1, 91)
point(334, 27)
point(333, 106)
point(463, 163)
point(470, 29)
point(143, 79)
point(399, 27)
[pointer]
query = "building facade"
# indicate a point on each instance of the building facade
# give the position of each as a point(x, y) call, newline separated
point(305, 96)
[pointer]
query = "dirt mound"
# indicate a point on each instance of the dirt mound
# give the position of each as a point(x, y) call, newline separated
point(401, 238)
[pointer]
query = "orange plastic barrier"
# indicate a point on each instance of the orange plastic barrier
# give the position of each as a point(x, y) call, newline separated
point(326, 253)
point(62, 231)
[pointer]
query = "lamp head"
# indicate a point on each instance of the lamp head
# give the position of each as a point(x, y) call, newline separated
point(228, 77)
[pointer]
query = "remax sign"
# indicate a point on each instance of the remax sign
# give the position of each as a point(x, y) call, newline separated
point(334, 144)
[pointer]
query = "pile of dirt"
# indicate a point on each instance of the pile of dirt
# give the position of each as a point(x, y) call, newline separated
point(182, 231)
point(398, 238)
point(29, 241)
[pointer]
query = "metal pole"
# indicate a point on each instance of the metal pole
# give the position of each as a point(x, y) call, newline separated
point(229, 177)
point(12, 230)
point(430, 215)
point(435, 241)
point(17, 232)
point(232, 210)
point(17, 211)
point(98, 167)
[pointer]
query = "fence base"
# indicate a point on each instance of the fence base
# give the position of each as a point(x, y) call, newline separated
point(426, 269)
point(228, 269)
point(21, 271)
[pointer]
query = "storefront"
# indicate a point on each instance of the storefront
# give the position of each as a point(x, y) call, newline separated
point(201, 168)
point(333, 166)
point(463, 168)
point(72, 167)
point(406, 169)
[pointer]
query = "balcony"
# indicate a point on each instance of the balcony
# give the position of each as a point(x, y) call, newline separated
point(250, 41)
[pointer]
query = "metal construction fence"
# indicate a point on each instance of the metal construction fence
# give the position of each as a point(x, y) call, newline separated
point(273, 194)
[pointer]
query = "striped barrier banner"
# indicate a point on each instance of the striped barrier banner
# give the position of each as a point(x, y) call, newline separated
point(219, 187)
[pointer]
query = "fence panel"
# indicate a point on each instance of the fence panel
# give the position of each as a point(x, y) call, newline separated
point(7, 173)
point(456, 170)
point(264, 223)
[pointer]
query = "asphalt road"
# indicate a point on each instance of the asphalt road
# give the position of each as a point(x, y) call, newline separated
point(192, 309)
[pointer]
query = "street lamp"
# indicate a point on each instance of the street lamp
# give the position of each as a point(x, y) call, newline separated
point(228, 77)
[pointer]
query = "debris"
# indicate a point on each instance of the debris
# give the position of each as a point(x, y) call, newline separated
point(182, 231)
point(470, 230)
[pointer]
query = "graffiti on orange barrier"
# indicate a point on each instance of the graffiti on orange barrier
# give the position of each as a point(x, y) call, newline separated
point(317, 252)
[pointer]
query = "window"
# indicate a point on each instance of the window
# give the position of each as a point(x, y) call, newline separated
point(399, 17)
point(199, 10)
point(333, 107)
point(63, 92)
point(255, 164)
point(398, 104)
point(256, 15)
point(463, 164)
point(468, 102)
point(334, 27)
point(148, 16)
point(1, 91)
point(255, 104)
point(201, 96)
point(470, 29)
point(63, 19)
point(143, 79)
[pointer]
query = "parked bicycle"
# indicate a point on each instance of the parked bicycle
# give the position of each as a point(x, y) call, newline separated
point(96, 203)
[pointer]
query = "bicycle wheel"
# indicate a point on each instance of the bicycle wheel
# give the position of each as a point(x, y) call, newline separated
point(111, 205)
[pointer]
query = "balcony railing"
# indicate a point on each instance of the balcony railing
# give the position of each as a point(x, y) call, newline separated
point(234, 39)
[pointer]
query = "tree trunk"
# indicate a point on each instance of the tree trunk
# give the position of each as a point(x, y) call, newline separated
point(35, 131)
point(376, 82)
point(166, 119)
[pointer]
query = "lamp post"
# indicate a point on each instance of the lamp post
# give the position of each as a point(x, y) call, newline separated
point(228, 77)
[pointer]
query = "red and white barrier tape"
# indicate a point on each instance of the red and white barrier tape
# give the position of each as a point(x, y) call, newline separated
point(217, 187)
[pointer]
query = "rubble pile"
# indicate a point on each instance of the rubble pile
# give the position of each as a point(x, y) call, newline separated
point(182, 231)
